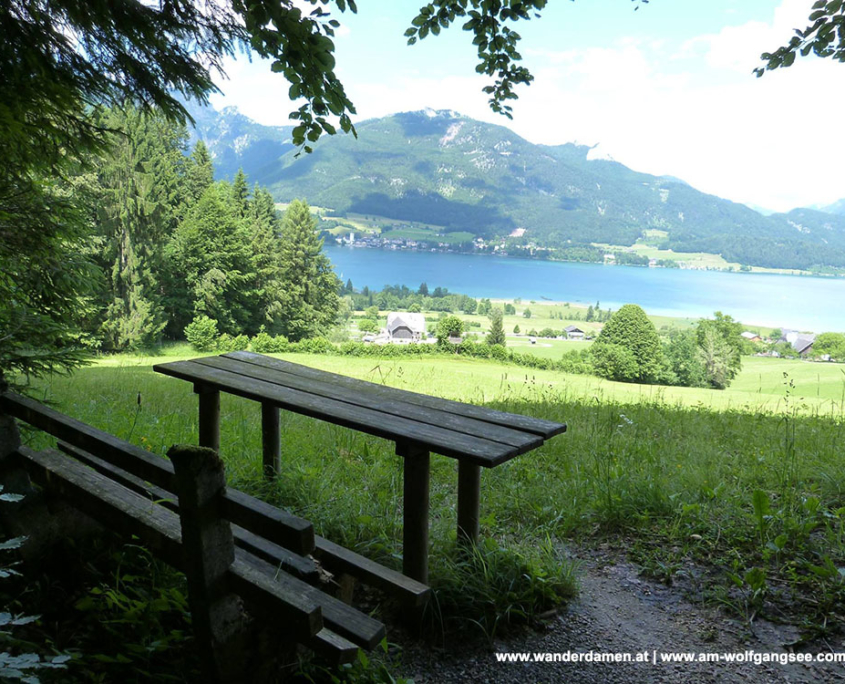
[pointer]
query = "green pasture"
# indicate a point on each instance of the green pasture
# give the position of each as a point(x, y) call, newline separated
point(545, 348)
point(675, 475)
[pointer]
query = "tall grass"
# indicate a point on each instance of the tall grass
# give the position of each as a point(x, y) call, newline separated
point(675, 483)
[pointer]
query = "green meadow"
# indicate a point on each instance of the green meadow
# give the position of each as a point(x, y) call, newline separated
point(746, 484)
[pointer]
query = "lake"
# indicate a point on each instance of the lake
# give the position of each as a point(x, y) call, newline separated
point(801, 302)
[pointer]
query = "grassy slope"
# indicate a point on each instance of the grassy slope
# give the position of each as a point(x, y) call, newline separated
point(669, 472)
point(762, 385)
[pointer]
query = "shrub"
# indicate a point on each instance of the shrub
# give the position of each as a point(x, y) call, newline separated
point(317, 345)
point(227, 343)
point(367, 325)
point(264, 343)
point(261, 343)
point(450, 326)
point(201, 333)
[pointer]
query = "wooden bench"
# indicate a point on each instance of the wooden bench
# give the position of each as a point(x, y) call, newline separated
point(229, 544)
point(477, 437)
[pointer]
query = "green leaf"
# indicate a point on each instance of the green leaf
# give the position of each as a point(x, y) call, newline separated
point(760, 501)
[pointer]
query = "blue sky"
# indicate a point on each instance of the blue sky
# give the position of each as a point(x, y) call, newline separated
point(666, 89)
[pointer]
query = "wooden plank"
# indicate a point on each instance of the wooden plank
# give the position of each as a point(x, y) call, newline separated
point(107, 502)
point(278, 526)
point(121, 510)
point(537, 426)
point(447, 442)
point(337, 616)
point(278, 592)
point(265, 520)
point(131, 458)
point(299, 566)
point(415, 510)
point(339, 559)
point(332, 647)
point(369, 399)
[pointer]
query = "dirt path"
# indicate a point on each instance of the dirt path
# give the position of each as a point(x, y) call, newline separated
point(619, 612)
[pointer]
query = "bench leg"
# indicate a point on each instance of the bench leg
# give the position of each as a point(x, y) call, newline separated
point(271, 440)
point(415, 527)
point(469, 493)
point(209, 429)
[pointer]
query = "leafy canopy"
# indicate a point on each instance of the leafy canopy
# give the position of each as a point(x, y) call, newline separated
point(824, 36)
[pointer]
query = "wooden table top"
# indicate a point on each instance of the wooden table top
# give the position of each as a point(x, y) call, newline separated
point(476, 434)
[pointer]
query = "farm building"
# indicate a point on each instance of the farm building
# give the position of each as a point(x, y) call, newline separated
point(405, 327)
point(574, 332)
point(803, 344)
point(751, 336)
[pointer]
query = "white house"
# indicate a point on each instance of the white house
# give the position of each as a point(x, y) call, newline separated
point(403, 326)
point(574, 333)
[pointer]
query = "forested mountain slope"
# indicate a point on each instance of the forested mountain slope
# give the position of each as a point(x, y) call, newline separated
point(445, 169)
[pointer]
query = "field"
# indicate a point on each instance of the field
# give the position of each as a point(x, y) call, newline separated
point(702, 260)
point(558, 315)
point(740, 488)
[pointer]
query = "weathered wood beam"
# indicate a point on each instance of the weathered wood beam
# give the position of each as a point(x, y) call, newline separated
point(209, 416)
point(416, 505)
point(469, 495)
point(271, 440)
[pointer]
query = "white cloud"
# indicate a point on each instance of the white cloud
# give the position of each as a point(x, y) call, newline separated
point(701, 116)
point(694, 110)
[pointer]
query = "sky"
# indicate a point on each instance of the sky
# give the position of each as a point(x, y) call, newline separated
point(667, 89)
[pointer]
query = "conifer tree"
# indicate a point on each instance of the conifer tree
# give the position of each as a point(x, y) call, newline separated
point(240, 192)
point(497, 328)
point(264, 228)
point(308, 284)
point(210, 252)
point(134, 214)
point(199, 174)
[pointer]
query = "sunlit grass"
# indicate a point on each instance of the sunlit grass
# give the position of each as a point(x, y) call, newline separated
point(668, 463)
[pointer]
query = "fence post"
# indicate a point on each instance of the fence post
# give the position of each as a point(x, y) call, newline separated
point(13, 478)
point(220, 624)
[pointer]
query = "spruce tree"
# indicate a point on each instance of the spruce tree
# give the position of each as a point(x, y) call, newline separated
point(264, 228)
point(240, 192)
point(134, 214)
point(199, 173)
point(308, 283)
point(497, 328)
point(211, 253)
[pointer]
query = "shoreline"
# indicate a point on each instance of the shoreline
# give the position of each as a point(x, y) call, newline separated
point(754, 270)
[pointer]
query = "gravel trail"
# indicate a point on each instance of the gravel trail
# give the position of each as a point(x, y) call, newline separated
point(619, 612)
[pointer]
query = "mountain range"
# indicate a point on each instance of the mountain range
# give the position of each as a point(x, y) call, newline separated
point(441, 168)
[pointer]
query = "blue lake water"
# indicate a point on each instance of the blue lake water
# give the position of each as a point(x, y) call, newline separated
point(805, 303)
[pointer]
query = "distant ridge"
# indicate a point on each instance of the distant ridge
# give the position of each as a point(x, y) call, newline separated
point(442, 168)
